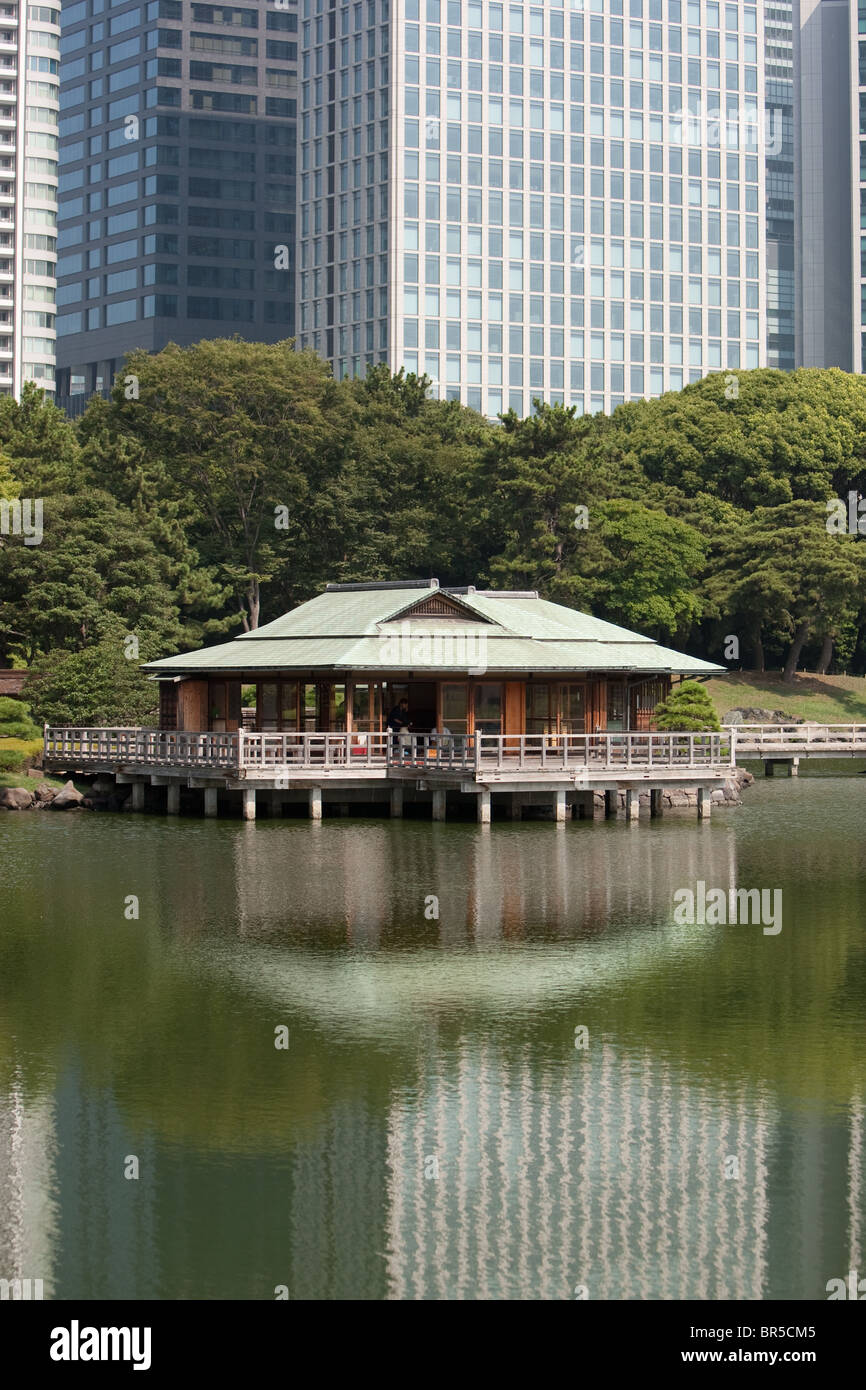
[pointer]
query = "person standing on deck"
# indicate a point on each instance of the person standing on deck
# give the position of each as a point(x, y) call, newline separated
point(398, 725)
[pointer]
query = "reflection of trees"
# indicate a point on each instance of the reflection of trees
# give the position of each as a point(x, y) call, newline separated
point(323, 929)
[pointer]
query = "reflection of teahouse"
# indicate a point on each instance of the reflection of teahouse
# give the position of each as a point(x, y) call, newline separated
point(357, 655)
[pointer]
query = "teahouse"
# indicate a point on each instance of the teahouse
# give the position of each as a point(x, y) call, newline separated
point(467, 660)
point(503, 691)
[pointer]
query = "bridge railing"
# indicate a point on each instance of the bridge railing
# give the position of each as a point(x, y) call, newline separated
point(798, 736)
point(263, 752)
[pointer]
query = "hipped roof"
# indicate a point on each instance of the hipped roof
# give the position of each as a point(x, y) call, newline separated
point(346, 629)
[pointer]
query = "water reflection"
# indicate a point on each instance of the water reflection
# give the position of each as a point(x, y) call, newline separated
point(432, 1131)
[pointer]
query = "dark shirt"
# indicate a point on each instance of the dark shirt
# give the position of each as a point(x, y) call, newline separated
point(398, 719)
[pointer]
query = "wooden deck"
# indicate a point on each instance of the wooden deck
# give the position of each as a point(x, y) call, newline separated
point(262, 757)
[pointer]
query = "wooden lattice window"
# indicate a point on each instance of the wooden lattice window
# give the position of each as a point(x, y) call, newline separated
point(437, 606)
point(167, 705)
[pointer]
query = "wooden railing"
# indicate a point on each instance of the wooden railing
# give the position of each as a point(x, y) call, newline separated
point(799, 737)
point(262, 752)
point(145, 747)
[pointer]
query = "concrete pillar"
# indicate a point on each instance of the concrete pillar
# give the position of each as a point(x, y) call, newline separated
point(515, 806)
point(249, 803)
point(704, 803)
point(632, 804)
point(210, 801)
point(172, 799)
point(439, 802)
point(484, 808)
point(396, 802)
point(559, 807)
point(656, 802)
point(611, 804)
point(315, 803)
point(138, 796)
point(794, 767)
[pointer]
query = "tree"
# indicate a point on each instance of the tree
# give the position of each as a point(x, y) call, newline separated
point(536, 486)
point(15, 721)
point(99, 684)
point(251, 437)
point(777, 572)
point(642, 568)
point(95, 563)
point(688, 709)
point(38, 441)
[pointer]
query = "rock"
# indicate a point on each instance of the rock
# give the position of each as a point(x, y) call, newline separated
point(16, 798)
point(67, 798)
point(750, 714)
point(45, 793)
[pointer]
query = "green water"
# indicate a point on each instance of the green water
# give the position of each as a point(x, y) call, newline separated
point(432, 1130)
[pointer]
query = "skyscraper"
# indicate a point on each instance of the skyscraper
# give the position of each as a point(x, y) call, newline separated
point(29, 89)
point(177, 191)
point(779, 133)
point(827, 179)
point(533, 200)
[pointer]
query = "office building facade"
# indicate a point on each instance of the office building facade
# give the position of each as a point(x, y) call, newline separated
point(29, 92)
point(826, 182)
point(177, 191)
point(533, 200)
point(779, 135)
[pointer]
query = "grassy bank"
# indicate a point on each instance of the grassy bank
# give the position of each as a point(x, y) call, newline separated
point(824, 699)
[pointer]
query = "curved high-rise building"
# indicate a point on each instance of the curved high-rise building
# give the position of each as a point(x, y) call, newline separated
point(29, 105)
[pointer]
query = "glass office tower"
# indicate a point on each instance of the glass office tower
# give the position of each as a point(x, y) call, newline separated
point(29, 92)
point(177, 187)
point(562, 201)
point(779, 94)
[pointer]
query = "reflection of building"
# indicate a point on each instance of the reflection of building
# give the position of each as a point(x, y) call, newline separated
point(28, 1209)
point(599, 1169)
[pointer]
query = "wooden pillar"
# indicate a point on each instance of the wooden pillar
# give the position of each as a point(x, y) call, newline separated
point(632, 804)
point(439, 804)
point(315, 803)
point(396, 802)
point(249, 803)
point(172, 799)
point(611, 804)
point(484, 807)
point(138, 796)
point(769, 767)
point(210, 801)
point(704, 803)
point(656, 803)
point(559, 807)
point(515, 806)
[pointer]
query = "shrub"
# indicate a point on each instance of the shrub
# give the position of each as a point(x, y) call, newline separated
point(15, 721)
point(688, 709)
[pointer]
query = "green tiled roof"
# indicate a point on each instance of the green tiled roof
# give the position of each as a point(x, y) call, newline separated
point(345, 630)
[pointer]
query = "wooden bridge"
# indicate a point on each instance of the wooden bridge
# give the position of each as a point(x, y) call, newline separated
point(786, 744)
